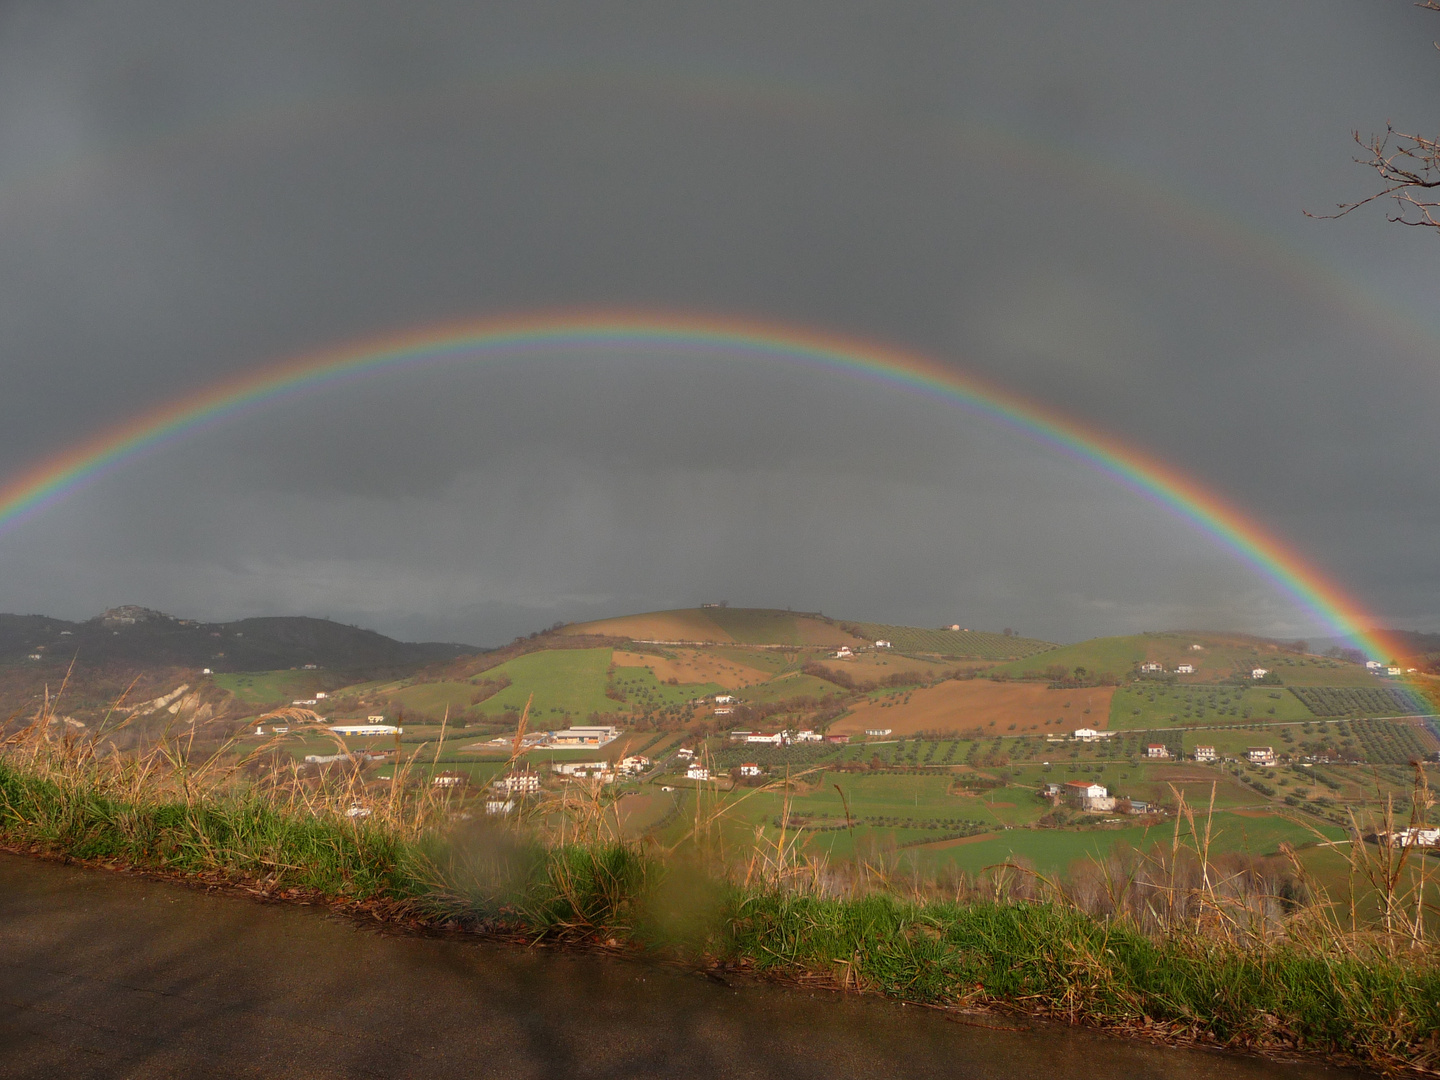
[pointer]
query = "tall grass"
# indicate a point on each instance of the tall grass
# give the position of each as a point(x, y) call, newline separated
point(1174, 941)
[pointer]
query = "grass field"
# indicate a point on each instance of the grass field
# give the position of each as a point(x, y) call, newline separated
point(1150, 705)
point(694, 667)
point(568, 684)
point(271, 687)
point(959, 644)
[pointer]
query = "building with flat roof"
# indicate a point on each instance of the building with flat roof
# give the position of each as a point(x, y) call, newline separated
point(583, 736)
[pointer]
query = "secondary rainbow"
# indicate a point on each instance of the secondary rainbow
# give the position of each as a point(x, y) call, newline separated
point(53, 479)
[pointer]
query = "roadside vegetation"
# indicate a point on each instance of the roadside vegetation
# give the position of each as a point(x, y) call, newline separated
point(1176, 938)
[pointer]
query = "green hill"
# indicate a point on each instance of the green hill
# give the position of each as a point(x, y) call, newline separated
point(953, 644)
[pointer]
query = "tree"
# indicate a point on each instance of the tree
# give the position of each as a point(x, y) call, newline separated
point(1409, 169)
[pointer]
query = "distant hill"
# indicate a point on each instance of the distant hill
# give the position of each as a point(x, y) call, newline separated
point(140, 637)
point(769, 626)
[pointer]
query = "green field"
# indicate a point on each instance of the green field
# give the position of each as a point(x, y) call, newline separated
point(957, 644)
point(271, 687)
point(568, 684)
point(1154, 704)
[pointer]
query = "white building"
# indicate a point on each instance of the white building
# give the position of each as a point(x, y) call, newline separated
point(1088, 796)
point(305, 701)
point(450, 780)
point(499, 806)
point(954, 626)
point(724, 710)
point(365, 729)
point(321, 694)
point(519, 783)
point(878, 731)
point(1157, 750)
point(685, 752)
point(635, 763)
point(842, 653)
point(770, 738)
point(1260, 755)
point(749, 768)
point(206, 671)
point(1394, 671)
point(697, 772)
point(882, 644)
point(1259, 672)
point(1373, 665)
point(1152, 667)
point(376, 719)
point(1204, 753)
point(579, 768)
point(807, 736)
point(724, 699)
point(1085, 734)
point(1184, 669)
point(1411, 837)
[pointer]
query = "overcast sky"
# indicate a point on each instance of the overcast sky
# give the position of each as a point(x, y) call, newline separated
point(1094, 205)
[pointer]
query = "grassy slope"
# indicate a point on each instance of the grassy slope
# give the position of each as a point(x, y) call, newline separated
point(271, 687)
point(1151, 705)
point(960, 644)
point(567, 684)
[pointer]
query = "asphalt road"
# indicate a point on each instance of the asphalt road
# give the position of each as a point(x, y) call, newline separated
point(113, 975)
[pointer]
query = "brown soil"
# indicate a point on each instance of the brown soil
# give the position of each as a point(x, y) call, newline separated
point(979, 703)
point(694, 666)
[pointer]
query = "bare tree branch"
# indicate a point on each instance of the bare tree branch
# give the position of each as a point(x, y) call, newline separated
point(1409, 170)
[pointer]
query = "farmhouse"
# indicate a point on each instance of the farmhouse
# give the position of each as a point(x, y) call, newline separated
point(1088, 796)
point(697, 772)
point(1157, 750)
point(1260, 755)
point(1259, 672)
point(724, 699)
point(1184, 669)
point(837, 738)
point(1152, 667)
point(1138, 806)
point(583, 736)
point(882, 644)
point(499, 806)
point(1411, 837)
point(1394, 671)
point(749, 768)
point(807, 736)
point(1085, 734)
point(634, 763)
point(842, 653)
point(590, 769)
point(371, 728)
point(954, 626)
point(685, 752)
point(878, 731)
point(450, 780)
point(1204, 753)
point(1373, 665)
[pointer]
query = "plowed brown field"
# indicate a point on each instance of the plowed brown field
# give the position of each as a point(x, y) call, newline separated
point(991, 706)
point(694, 666)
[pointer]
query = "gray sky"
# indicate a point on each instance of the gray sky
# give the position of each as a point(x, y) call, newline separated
point(1097, 206)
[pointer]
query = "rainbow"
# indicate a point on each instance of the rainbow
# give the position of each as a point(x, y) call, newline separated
point(53, 479)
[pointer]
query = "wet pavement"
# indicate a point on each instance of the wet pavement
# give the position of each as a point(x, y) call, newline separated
point(114, 975)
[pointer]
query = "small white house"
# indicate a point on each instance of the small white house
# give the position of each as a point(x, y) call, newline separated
point(1373, 665)
point(685, 752)
point(724, 710)
point(1157, 750)
point(1411, 837)
point(842, 653)
point(882, 644)
point(749, 768)
point(634, 763)
point(878, 731)
point(724, 699)
point(954, 626)
point(1085, 794)
point(1152, 667)
point(807, 736)
point(1260, 755)
point(376, 719)
point(1259, 672)
point(697, 772)
point(450, 780)
point(1184, 669)
point(1394, 671)
point(206, 671)
point(1204, 753)
point(499, 806)
point(321, 695)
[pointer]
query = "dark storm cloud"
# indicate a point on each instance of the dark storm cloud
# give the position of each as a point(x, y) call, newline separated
point(1096, 206)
